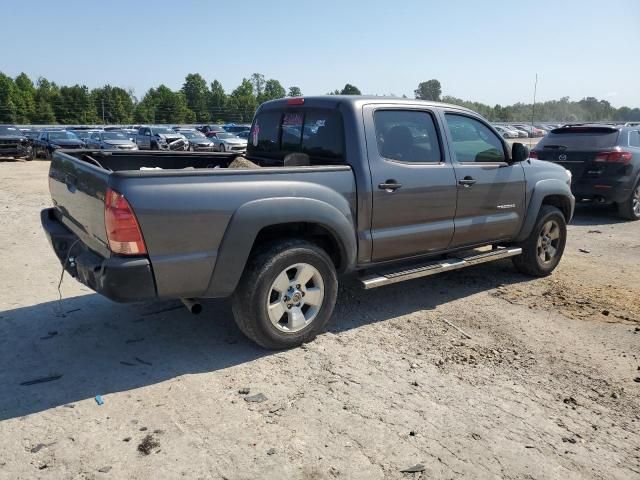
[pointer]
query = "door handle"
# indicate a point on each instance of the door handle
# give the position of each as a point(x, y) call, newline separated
point(467, 181)
point(389, 185)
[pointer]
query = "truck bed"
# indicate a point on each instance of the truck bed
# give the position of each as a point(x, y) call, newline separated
point(184, 208)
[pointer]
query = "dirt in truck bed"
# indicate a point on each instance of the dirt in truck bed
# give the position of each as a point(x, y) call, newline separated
point(540, 379)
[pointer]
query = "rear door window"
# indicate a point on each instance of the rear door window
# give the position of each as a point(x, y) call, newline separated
point(407, 136)
point(580, 138)
point(314, 132)
point(634, 138)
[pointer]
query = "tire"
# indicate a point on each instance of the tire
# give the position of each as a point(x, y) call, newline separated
point(630, 208)
point(222, 148)
point(267, 287)
point(191, 148)
point(29, 156)
point(542, 242)
point(48, 154)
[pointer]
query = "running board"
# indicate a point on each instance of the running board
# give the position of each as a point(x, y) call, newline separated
point(453, 262)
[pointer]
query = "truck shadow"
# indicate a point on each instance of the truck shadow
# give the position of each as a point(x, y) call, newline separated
point(98, 347)
point(593, 215)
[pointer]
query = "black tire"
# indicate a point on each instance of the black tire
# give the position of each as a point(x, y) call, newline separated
point(630, 208)
point(256, 287)
point(29, 156)
point(531, 261)
point(222, 148)
point(48, 154)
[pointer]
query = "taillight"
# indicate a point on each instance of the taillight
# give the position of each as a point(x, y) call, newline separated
point(533, 154)
point(123, 231)
point(615, 156)
point(295, 101)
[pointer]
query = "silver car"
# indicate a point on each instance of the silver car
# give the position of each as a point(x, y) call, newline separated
point(229, 142)
point(111, 140)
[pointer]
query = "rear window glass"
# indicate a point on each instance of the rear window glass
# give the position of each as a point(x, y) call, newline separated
point(317, 134)
point(407, 136)
point(580, 139)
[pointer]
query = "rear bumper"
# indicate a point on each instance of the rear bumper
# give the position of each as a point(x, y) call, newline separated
point(121, 279)
point(602, 190)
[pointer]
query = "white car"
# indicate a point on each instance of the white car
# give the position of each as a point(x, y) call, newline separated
point(505, 132)
point(229, 142)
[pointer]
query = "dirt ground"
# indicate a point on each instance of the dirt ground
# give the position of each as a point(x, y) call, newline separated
point(545, 387)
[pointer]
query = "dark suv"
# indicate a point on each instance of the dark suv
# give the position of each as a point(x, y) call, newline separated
point(604, 161)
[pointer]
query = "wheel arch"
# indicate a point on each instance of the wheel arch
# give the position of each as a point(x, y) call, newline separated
point(267, 220)
point(547, 192)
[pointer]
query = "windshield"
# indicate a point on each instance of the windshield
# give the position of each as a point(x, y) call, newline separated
point(115, 136)
point(193, 134)
point(162, 130)
point(82, 133)
point(7, 130)
point(226, 135)
point(63, 136)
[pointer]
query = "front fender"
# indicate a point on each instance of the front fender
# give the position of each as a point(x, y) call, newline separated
point(253, 216)
point(544, 189)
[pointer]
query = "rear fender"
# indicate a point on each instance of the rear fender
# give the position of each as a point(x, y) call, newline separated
point(252, 217)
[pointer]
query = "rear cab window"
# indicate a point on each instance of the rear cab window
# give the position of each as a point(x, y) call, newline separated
point(580, 138)
point(314, 136)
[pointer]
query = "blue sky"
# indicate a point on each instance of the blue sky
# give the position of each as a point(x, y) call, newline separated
point(487, 51)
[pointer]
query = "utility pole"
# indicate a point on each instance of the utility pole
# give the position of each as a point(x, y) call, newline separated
point(103, 111)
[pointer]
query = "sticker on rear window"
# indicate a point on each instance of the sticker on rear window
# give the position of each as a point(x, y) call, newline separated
point(292, 120)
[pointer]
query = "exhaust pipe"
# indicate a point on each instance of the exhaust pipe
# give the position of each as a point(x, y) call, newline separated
point(192, 305)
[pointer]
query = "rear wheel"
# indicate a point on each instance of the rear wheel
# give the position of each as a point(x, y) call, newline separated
point(286, 294)
point(630, 209)
point(543, 249)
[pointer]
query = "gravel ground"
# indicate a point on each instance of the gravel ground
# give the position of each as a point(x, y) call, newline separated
point(544, 388)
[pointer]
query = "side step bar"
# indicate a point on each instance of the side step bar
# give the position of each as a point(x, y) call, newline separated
point(460, 260)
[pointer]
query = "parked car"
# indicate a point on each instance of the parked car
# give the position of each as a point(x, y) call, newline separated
point(111, 140)
point(211, 130)
point(233, 128)
point(50, 140)
point(519, 133)
point(229, 142)
point(604, 162)
point(160, 138)
point(198, 142)
point(14, 143)
point(131, 133)
point(244, 134)
point(30, 133)
point(359, 196)
point(505, 132)
point(83, 134)
point(533, 132)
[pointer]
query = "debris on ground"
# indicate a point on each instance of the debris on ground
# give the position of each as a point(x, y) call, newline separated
point(584, 250)
point(257, 398)
point(41, 380)
point(244, 391)
point(595, 231)
point(105, 469)
point(271, 451)
point(569, 440)
point(571, 401)
point(415, 469)
point(99, 400)
point(147, 444)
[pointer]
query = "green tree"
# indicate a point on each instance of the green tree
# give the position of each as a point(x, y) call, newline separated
point(429, 90)
point(258, 82)
point(116, 103)
point(26, 98)
point(242, 102)
point(197, 96)
point(217, 102)
point(295, 92)
point(272, 91)
point(350, 90)
point(47, 93)
point(74, 106)
point(8, 107)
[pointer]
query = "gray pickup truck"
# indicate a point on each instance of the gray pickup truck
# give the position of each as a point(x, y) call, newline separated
point(383, 189)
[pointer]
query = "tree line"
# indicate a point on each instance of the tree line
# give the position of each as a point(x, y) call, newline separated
point(23, 101)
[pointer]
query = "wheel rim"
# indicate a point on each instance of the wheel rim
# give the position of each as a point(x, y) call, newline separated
point(295, 297)
point(548, 242)
point(635, 201)
point(222, 147)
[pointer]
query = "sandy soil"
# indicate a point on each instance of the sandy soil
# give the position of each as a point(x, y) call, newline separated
point(544, 388)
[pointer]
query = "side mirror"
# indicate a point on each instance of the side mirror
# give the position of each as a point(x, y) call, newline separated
point(519, 153)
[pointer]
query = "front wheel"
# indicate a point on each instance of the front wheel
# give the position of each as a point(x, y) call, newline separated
point(222, 148)
point(543, 249)
point(630, 208)
point(286, 294)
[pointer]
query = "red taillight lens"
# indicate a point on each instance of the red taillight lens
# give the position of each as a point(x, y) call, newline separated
point(533, 154)
point(616, 156)
point(123, 231)
point(295, 101)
